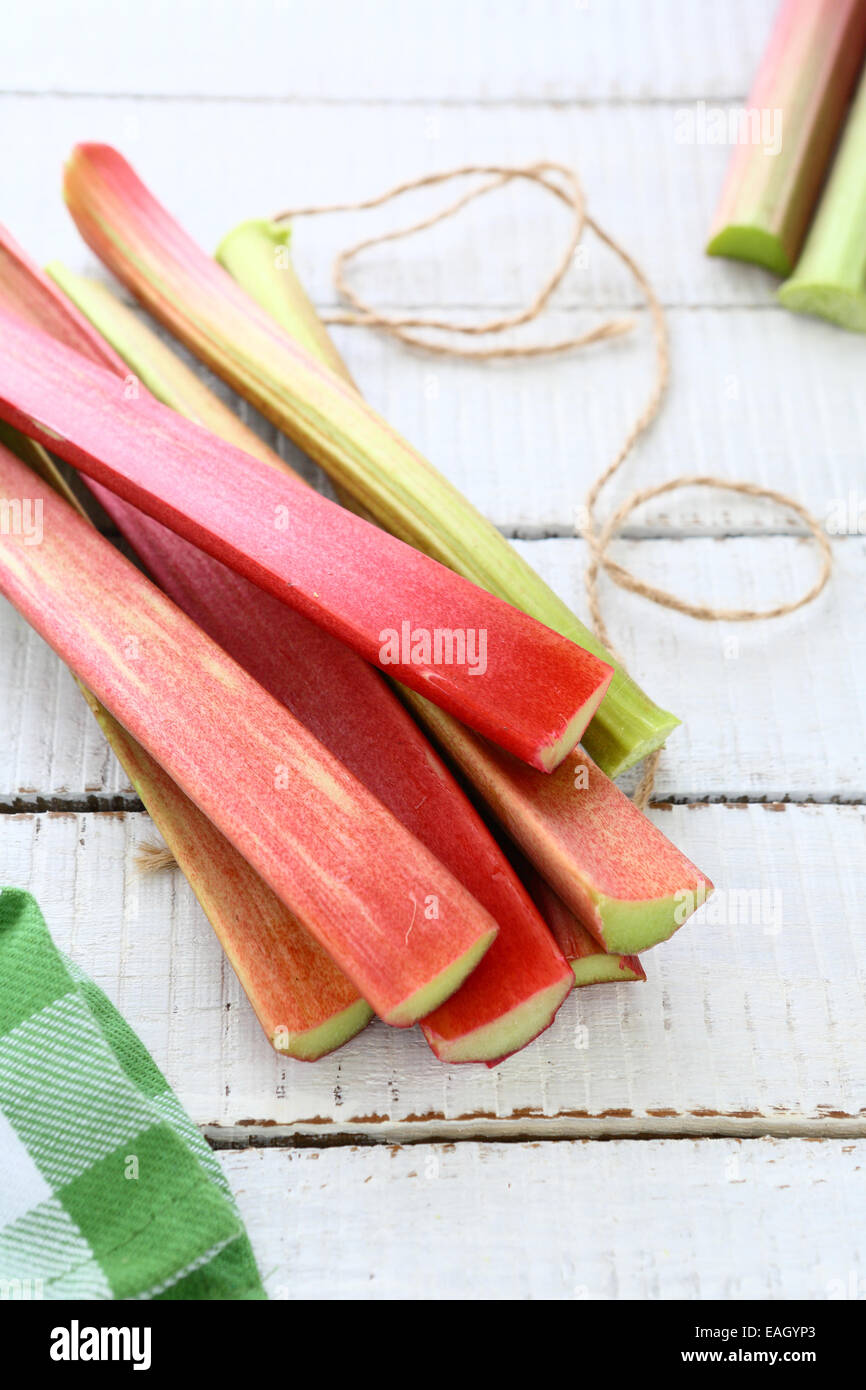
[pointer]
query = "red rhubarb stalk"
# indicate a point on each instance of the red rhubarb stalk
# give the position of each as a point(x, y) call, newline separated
point(504, 674)
point(339, 698)
point(325, 845)
point(793, 116)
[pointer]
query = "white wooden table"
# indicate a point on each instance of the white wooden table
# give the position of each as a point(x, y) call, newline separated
point(732, 1082)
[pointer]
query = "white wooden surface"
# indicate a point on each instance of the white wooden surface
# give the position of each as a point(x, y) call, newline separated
point(748, 1022)
point(574, 1221)
point(752, 1020)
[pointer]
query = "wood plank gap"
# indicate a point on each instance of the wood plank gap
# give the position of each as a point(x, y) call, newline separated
point(457, 102)
point(97, 803)
point(559, 1129)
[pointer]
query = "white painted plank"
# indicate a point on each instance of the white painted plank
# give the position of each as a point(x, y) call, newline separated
point(763, 395)
point(752, 1023)
point(215, 163)
point(753, 396)
point(770, 710)
point(52, 749)
point(293, 50)
point(646, 1220)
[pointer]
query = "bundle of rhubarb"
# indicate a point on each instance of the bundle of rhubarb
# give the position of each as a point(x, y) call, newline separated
point(349, 864)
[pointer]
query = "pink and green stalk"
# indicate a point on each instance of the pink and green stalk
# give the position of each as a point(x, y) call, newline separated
point(567, 824)
point(794, 114)
point(386, 478)
point(324, 844)
point(487, 663)
point(591, 964)
point(620, 876)
point(830, 277)
point(305, 1004)
point(516, 992)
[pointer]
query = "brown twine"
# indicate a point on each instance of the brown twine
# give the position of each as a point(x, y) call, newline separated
point(599, 538)
point(151, 858)
point(366, 315)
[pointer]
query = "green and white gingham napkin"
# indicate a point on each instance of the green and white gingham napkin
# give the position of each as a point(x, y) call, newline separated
point(108, 1190)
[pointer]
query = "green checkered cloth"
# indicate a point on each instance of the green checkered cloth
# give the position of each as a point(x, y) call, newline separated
point(108, 1189)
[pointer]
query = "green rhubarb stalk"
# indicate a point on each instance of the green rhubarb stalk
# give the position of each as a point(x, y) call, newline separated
point(787, 131)
point(620, 876)
point(388, 479)
point(830, 278)
point(257, 254)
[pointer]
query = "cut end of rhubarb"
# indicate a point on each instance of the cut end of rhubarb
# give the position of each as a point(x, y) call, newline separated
point(273, 234)
point(510, 1033)
point(310, 1045)
point(741, 242)
point(618, 747)
point(603, 969)
point(440, 988)
point(824, 301)
point(553, 754)
point(628, 927)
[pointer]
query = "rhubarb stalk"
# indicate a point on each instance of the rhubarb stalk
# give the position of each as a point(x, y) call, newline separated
point(218, 321)
point(591, 964)
point(787, 132)
point(305, 1004)
point(516, 990)
point(504, 674)
point(830, 278)
point(325, 845)
point(622, 878)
